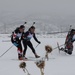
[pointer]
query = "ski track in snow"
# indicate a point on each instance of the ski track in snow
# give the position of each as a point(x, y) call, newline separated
point(62, 64)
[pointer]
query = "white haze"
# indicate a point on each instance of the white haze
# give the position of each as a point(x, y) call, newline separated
point(57, 13)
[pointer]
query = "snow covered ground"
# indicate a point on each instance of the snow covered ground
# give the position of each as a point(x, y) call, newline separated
point(58, 64)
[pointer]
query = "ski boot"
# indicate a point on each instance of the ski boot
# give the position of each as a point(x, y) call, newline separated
point(20, 57)
point(37, 56)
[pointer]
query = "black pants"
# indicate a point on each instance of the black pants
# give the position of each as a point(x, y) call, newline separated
point(28, 43)
point(19, 48)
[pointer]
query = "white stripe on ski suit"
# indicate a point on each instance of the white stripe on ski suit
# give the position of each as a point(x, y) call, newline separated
point(17, 36)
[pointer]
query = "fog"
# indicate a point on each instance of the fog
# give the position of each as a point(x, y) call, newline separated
point(56, 12)
point(34, 6)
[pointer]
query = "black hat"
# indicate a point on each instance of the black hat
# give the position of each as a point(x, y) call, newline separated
point(32, 27)
point(73, 30)
point(22, 26)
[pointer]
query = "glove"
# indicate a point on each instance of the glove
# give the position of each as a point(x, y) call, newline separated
point(39, 42)
point(73, 40)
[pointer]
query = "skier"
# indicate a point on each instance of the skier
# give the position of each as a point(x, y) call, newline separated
point(69, 42)
point(16, 38)
point(26, 41)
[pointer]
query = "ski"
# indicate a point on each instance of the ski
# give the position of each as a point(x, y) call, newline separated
point(58, 47)
point(23, 60)
point(31, 59)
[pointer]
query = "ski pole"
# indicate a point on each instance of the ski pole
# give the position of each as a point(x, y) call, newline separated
point(57, 47)
point(37, 45)
point(6, 51)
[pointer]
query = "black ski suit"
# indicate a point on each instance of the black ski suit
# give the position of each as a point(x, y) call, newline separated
point(69, 43)
point(16, 40)
point(26, 41)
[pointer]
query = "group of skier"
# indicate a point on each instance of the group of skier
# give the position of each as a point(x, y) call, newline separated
point(19, 35)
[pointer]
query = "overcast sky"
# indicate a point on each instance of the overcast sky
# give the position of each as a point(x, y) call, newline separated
point(60, 12)
point(38, 6)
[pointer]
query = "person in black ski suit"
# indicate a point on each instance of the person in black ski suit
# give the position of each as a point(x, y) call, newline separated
point(16, 38)
point(69, 42)
point(26, 41)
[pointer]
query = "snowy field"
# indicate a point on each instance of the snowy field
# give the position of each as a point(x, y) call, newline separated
point(58, 64)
